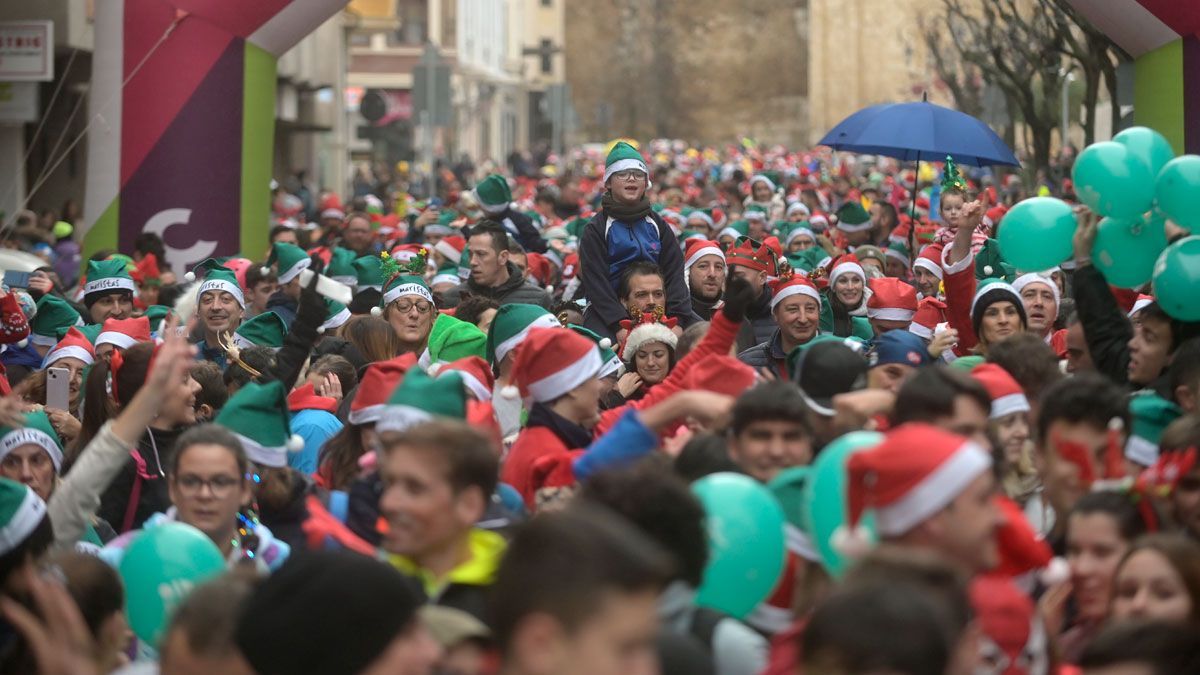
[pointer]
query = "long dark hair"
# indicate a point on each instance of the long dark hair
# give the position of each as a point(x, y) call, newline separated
point(341, 454)
point(843, 323)
point(98, 406)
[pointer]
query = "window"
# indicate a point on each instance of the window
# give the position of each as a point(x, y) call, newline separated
point(547, 3)
point(547, 54)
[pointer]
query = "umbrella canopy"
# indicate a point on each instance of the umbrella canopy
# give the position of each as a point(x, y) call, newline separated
point(920, 132)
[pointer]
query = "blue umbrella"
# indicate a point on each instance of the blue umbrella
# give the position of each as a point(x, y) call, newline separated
point(920, 132)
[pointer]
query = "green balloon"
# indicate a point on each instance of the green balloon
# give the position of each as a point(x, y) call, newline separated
point(1112, 181)
point(160, 567)
point(1176, 189)
point(1036, 234)
point(1149, 146)
point(825, 504)
point(1177, 279)
point(745, 543)
point(1125, 251)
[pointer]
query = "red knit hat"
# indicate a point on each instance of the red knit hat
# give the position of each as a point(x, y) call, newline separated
point(913, 474)
point(786, 287)
point(721, 374)
point(697, 249)
point(754, 255)
point(476, 375)
point(930, 259)
point(891, 300)
point(1007, 395)
point(930, 312)
point(551, 362)
point(124, 333)
point(74, 345)
point(376, 385)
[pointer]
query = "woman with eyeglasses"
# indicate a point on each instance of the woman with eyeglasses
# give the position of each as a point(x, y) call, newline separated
point(408, 307)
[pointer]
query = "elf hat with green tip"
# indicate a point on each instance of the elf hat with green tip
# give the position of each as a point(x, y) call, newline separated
point(265, 330)
point(156, 314)
point(105, 277)
point(610, 363)
point(258, 415)
point(1151, 414)
point(493, 194)
point(289, 259)
point(21, 512)
point(452, 339)
point(369, 271)
point(421, 398)
point(341, 266)
point(404, 277)
point(217, 277)
point(737, 229)
point(336, 316)
point(53, 313)
point(623, 156)
point(755, 212)
point(36, 430)
point(400, 286)
point(511, 325)
point(852, 217)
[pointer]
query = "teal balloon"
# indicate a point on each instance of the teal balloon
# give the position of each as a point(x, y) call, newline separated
point(825, 504)
point(745, 543)
point(1147, 145)
point(1125, 251)
point(1177, 279)
point(160, 567)
point(1036, 234)
point(1112, 181)
point(1176, 189)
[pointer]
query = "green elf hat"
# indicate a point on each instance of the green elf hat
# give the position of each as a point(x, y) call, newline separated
point(446, 274)
point(442, 226)
point(737, 229)
point(258, 415)
point(265, 330)
point(341, 266)
point(464, 264)
point(105, 277)
point(807, 260)
point(989, 263)
point(52, 314)
point(755, 212)
point(36, 430)
point(789, 488)
point(217, 277)
point(610, 362)
point(451, 339)
point(91, 332)
point(967, 363)
point(421, 398)
point(156, 314)
point(623, 156)
point(512, 325)
point(857, 344)
point(336, 314)
point(290, 260)
point(899, 251)
point(21, 511)
point(793, 230)
point(1151, 414)
point(369, 272)
point(403, 279)
point(493, 194)
point(852, 217)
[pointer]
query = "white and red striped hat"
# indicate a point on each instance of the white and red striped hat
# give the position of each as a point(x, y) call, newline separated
point(73, 345)
point(1007, 396)
point(377, 384)
point(697, 249)
point(891, 300)
point(930, 260)
point(846, 264)
point(124, 333)
point(912, 475)
point(551, 362)
point(930, 312)
point(783, 289)
point(476, 375)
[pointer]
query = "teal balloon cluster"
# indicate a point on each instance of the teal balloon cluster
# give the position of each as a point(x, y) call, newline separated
point(745, 543)
point(824, 506)
point(159, 569)
point(1125, 250)
point(1177, 279)
point(1037, 233)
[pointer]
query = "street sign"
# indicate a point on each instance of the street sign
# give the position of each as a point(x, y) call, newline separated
point(26, 51)
point(432, 75)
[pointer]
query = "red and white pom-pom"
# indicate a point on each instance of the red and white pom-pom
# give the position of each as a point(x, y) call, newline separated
point(1056, 572)
point(189, 277)
point(853, 543)
point(295, 443)
point(376, 311)
point(510, 392)
point(606, 343)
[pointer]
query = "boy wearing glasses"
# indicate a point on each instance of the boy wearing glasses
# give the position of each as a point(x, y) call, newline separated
point(623, 232)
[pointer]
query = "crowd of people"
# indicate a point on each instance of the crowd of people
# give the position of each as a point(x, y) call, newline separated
point(481, 463)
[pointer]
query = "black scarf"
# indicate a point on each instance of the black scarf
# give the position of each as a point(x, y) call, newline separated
point(571, 434)
point(625, 212)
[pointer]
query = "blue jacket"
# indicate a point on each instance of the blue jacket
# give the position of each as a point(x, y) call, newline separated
point(315, 427)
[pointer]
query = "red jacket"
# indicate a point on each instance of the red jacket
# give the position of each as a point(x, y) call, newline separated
point(532, 444)
point(959, 282)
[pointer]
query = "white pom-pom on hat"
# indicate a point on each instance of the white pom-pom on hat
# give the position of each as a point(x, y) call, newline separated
point(295, 443)
point(23, 342)
point(987, 269)
point(320, 330)
point(376, 311)
point(1116, 424)
point(264, 270)
point(853, 543)
point(435, 368)
point(1056, 572)
point(605, 343)
point(510, 392)
point(189, 277)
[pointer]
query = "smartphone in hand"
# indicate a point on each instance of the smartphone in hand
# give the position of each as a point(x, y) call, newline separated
point(58, 388)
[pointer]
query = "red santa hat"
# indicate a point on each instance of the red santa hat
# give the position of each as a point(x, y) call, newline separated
point(476, 375)
point(721, 374)
point(451, 247)
point(538, 268)
point(124, 333)
point(1011, 631)
point(1021, 550)
point(551, 362)
point(73, 345)
point(784, 288)
point(1143, 301)
point(912, 475)
point(697, 249)
point(930, 312)
point(847, 264)
point(891, 300)
point(377, 384)
point(930, 260)
point(1007, 396)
